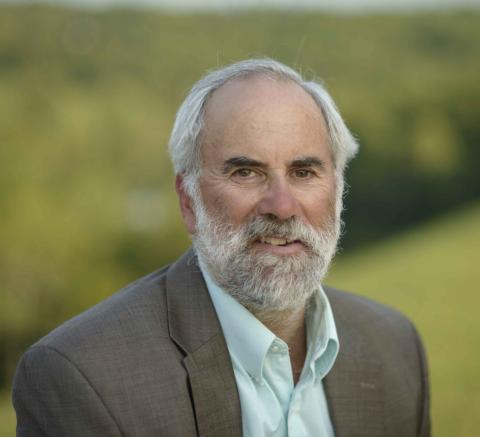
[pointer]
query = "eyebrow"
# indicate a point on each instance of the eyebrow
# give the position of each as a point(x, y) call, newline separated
point(308, 161)
point(241, 161)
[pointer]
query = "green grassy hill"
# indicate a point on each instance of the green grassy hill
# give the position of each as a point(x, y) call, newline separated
point(7, 417)
point(432, 275)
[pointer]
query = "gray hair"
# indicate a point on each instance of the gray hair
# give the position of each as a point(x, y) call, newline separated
point(185, 139)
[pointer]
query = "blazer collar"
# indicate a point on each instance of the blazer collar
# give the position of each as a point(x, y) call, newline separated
point(194, 327)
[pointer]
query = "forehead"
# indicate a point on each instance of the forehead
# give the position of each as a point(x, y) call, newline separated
point(263, 113)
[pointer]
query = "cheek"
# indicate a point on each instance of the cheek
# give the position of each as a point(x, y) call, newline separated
point(236, 206)
point(321, 207)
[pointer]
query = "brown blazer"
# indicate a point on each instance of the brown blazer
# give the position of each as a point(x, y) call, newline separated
point(152, 361)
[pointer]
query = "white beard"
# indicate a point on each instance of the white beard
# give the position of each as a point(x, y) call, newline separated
point(264, 282)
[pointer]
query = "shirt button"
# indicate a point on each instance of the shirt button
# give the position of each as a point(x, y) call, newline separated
point(275, 349)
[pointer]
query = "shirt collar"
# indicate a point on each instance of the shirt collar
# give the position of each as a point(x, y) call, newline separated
point(249, 340)
point(322, 337)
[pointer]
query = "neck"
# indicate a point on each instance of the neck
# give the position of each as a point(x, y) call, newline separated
point(289, 325)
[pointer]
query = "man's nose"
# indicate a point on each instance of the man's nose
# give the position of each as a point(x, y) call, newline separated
point(279, 201)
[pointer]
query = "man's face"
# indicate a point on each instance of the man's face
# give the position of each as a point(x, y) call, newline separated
point(266, 207)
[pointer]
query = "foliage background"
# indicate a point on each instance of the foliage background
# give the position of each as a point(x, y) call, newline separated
point(87, 201)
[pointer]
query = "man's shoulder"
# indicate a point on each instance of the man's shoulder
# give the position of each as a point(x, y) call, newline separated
point(371, 324)
point(380, 347)
point(116, 365)
point(134, 311)
point(351, 304)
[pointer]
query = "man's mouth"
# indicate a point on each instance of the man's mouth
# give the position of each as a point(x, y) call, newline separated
point(276, 241)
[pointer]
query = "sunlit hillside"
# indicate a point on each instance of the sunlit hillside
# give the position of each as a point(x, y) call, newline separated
point(432, 274)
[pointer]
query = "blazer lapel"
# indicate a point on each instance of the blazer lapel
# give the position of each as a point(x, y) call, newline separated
point(195, 328)
point(353, 387)
point(354, 397)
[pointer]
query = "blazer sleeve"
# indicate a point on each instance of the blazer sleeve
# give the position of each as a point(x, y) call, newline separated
point(53, 398)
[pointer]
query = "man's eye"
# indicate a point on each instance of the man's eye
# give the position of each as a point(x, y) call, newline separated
point(243, 172)
point(302, 173)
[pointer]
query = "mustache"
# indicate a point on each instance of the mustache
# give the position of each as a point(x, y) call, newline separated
point(292, 229)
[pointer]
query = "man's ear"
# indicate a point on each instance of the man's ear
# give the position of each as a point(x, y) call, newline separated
point(186, 205)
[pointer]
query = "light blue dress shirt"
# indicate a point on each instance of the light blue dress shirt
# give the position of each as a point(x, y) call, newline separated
point(271, 404)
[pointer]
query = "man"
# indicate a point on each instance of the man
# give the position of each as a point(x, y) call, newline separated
point(238, 337)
